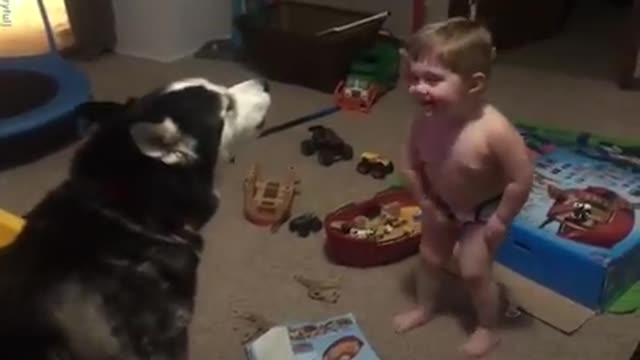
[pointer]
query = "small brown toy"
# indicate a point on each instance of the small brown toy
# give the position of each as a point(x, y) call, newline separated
point(268, 202)
point(256, 325)
point(320, 290)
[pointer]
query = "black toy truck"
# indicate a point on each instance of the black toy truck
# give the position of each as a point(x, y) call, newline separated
point(327, 144)
point(305, 224)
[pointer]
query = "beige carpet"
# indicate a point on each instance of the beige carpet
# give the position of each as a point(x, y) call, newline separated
point(246, 268)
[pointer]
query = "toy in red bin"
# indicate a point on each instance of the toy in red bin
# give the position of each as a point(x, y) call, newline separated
point(383, 229)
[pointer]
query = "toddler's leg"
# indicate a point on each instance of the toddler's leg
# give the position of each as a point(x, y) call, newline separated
point(436, 248)
point(476, 262)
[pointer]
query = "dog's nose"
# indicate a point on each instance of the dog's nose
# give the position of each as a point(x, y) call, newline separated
point(265, 85)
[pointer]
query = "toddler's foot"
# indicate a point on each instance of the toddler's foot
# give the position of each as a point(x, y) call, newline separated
point(410, 319)
point(480, 343)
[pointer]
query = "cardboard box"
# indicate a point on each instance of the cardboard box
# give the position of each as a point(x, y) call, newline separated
point(576, 243)
point(537, 300)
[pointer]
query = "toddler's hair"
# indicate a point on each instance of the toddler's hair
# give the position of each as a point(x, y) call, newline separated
point(462, 45)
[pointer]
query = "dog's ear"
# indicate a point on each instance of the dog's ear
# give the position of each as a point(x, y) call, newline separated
point(98, 112)
point(92, 114)
point(164, 141)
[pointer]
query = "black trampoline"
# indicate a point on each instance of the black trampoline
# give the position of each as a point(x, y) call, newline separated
point(24, 90)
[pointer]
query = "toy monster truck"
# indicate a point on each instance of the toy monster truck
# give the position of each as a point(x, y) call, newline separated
point(374, 164)
point(327, 144)
point(304, 224)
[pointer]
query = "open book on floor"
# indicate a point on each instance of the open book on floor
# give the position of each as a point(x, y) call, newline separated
point(338, 338)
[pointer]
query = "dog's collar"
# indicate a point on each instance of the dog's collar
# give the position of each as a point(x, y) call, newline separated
point(117, 191)
point(173, 239)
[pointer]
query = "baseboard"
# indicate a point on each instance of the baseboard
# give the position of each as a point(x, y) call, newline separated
point(164, 58)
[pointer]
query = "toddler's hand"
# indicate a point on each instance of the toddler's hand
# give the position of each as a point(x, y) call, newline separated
point(495, 231)
point(430, 209)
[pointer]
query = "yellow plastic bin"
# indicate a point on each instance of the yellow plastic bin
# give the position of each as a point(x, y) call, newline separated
point(10, 227)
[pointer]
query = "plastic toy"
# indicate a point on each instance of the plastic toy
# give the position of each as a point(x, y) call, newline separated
point(371, 75)
point(321, 290)
point(253, 325)
point(376, 231)
point(327, 144)
point(374, 164)
point(268, 202)
point(392, 222)
point(10, 227)
point(305, 224)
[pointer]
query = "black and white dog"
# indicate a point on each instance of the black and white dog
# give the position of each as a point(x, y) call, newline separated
point(106, 265)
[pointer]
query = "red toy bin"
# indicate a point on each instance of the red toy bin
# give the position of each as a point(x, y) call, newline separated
point(348, 251)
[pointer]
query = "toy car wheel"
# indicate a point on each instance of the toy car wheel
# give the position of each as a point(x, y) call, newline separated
point(363, 167)
point(315, 225)
point(347, 152)
point(293, 226)
point(325, 157)
point(378, 171)
point(303, 232)
point(307, 147)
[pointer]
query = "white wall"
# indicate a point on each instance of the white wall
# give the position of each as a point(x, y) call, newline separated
point(166, 30)
point(437, 10)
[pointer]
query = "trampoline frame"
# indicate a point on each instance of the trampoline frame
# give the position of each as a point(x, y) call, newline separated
point(36, 132)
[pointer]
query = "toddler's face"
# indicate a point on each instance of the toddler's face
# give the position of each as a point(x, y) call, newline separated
point(437, 89)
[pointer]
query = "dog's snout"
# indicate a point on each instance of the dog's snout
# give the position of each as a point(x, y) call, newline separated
point(265, 85)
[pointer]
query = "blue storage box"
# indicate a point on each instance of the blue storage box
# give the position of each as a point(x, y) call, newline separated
point(578, 235)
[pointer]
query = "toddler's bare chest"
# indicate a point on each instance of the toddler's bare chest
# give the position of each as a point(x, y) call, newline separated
point(455, 155)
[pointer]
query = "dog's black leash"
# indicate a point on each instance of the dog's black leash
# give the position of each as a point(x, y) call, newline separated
point(298, 121)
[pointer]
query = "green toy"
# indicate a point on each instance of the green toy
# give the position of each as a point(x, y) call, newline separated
point(628, 302)
point(371, 75)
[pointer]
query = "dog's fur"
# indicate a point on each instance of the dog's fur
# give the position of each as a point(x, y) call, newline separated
point(106, 265)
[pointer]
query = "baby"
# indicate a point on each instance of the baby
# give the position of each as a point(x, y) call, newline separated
point(466, 164)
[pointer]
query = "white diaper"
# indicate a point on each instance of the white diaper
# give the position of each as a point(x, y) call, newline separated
point(481, 213)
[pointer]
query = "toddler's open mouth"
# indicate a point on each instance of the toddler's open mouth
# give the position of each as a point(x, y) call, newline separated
point(428, 102)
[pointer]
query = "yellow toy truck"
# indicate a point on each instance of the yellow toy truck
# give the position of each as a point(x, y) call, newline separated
point(374, 164)
point(10, 227)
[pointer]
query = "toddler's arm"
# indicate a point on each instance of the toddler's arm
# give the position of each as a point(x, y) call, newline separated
point(511, 152)
point(413, 170)
point(412, 167)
